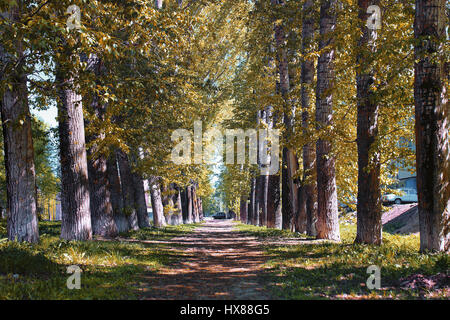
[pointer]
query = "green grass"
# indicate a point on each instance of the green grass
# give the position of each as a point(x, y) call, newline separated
point(338, 270)
point(310, 270)
point(165, 233)
point(110, 269)
point(265, 233)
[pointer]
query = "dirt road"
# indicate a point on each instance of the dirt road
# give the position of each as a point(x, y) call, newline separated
point(220, 263)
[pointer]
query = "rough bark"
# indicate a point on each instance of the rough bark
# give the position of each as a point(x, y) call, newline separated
point(243, 206)
point(432, 127)
point(258, 201)
point(167, 202)
point(157, 206)
point(248, 210)
point(22, 221)
point(195, 212)
point(308, 193)
point(177, 217)
point(75, 200)
point(301, 220)
point(327, 213)
point(186, 196)
point(184, 205)
point(252, 208)
point(102, 214)
point(274, 215)
point(126, 178)
point(262, 199)
point(116, 197)
point(273, 201)
point(369, 194)
point(289, 158)
point(200, 208)
point(139, 200)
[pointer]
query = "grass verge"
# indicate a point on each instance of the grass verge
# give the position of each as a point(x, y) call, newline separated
point(327, 270)
point(110, 269)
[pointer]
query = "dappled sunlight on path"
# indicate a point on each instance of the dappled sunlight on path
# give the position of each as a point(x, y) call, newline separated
point(217, 263)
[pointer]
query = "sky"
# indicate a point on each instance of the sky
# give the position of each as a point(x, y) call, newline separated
point(48, 116)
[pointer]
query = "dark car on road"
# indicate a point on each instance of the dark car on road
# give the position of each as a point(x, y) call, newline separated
point(220, 215)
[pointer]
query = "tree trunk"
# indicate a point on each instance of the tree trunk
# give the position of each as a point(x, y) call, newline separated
point(289, 159)
point(178, 218)
point(243, 209)
point(432, 126)
point(139, 199)
point(274, 216)
point(252, 208)
point(167, 202)
point(186, 197)
point(247, 221)
point(126, 178)
point(102, 214)
point(75, 200)
point(200, 208)
point(369, 194)
point(308, 193)
point(184, 205)
point(157, 207)
point(301, 220)
point(261, 183)
point(195, 212)
point(172, 205)
point(22, 218)
point(262, 200)
point(116, 194)
point(273, 201)
point(327, 213)
point(258, 201)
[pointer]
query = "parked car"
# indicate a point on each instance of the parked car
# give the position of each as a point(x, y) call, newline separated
point(220, 215)
point(406, 196)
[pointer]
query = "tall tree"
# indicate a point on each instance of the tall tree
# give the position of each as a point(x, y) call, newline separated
point(126, 178)
point(102, 213)
point(75, 200)
point(139, 200)
point(289, 158)
point(252, 206)
point(308, 198)
point(116, 197)
point(432, 125)
point(259, 198)
point(273, 199)
point(157, 206)
point(195, 209)
point(200, 208)
point(327, 211)
point(177, 206)
point(262, 199)
point(243, 206)
point(369, 194)
point(262, 180)
point(22, 222)
point(186, 196)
